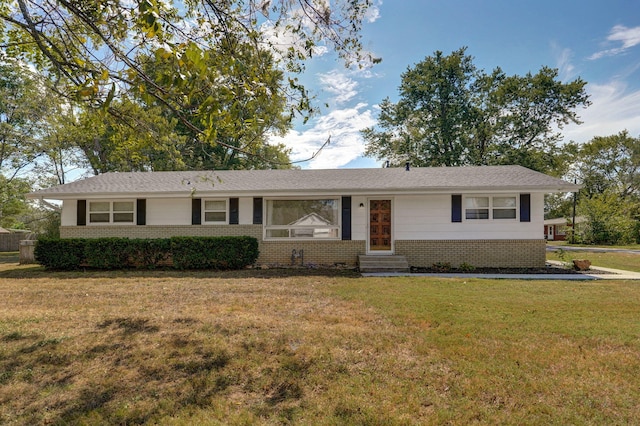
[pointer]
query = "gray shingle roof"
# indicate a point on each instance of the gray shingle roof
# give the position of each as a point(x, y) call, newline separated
point(336, 181)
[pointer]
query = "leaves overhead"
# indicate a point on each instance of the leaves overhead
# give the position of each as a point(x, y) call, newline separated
point(95, 51)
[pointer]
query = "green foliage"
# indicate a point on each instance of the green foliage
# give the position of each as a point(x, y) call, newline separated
point(452, 114)
point(220, 75)
point(122, 253)
point(441, 267)
point(608, 220)
point(67, 254)
point(107, 253)
point(610, 199)
point(213, 252)
point(609, 163)
point(466, 267)
point(148, 253)
point(235, 102)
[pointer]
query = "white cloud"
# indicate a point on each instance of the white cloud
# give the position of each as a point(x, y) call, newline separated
point(563, 57)
point(614, 108)
point(338, 84)
point(373, 12)
point(343, 126)
point(628, 37)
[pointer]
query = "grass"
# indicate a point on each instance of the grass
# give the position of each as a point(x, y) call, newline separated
point(565, 243)
point(255, 347)
point(616, 260)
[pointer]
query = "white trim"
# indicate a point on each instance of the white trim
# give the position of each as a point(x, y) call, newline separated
point(490, 207)
point(203, 211)
point(110, 212)
point(265, 218)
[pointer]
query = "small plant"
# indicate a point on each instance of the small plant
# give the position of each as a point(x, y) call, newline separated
point(465, 267)
point(562, 255)
point(441, 267)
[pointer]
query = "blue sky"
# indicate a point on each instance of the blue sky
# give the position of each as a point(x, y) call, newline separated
point(598, 41)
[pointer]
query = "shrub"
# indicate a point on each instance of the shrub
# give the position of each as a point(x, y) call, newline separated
point(441, 266)
point(465, 267)
point(148, 253)
point(107, 253)
point(120, 253)
point(54, 253)
point(213, 252)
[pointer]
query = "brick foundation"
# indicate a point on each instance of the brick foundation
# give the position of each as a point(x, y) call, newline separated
point(478, 253)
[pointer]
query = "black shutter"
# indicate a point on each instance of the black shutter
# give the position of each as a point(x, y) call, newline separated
point(257, 211)
point(196, 211)
point(346, 218)
point(141, 211)
point(456, 208)
point(525, 207)
point(81, 213)
point(233, 211)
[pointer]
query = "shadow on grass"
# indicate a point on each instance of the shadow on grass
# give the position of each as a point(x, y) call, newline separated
point(9, 257)
point(17, 271)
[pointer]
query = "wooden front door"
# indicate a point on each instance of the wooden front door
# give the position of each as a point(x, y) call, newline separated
point(380, 225)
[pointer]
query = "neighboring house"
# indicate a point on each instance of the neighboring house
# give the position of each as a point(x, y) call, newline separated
point(487, 216)
point(558, 229)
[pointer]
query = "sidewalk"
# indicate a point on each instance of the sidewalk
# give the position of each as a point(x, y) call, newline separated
point(611, 274)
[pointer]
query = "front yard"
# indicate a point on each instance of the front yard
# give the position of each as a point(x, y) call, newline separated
point(255, 347)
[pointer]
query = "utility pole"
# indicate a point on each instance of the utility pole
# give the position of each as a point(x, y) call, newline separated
point(573, 231)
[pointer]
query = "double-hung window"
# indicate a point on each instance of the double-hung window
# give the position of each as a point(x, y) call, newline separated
point(303, 219)
point(101, 212)
point(490, 207)
point(215, 211)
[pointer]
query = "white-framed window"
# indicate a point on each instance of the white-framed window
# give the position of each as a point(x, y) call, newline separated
point(317, 218)
point(215, 211)
point(102, 212)
point(485, 207)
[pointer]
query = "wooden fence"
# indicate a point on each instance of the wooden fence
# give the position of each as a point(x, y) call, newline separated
point(11, 242)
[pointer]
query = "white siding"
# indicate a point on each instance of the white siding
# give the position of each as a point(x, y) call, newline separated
point(68, 216)
point(429, 218)
point(166, 211)
point(358, 218)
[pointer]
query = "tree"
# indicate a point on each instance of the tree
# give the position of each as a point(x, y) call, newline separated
point(609, 219)
point(241, 120)
point(607, 167)
point(24, 109)
point(610, 163)
point(95, 50)
point(450, 113)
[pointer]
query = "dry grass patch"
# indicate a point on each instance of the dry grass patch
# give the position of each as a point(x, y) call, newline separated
point(77, 348)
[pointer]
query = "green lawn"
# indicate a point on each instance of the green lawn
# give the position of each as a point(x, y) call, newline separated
point(260, 347)
point(624, 261)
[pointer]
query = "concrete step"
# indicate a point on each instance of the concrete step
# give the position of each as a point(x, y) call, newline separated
point(393, 263)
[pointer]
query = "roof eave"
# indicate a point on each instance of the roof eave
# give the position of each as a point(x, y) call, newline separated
point(302, 192)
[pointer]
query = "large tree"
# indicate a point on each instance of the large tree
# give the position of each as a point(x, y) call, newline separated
point(242, 120)
point(25, 106)
point(609, 163)
point(608, 168)
point(451, 113)
point(95, 50)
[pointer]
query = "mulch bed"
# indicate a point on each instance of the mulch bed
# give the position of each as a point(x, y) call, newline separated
point(549, 269)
